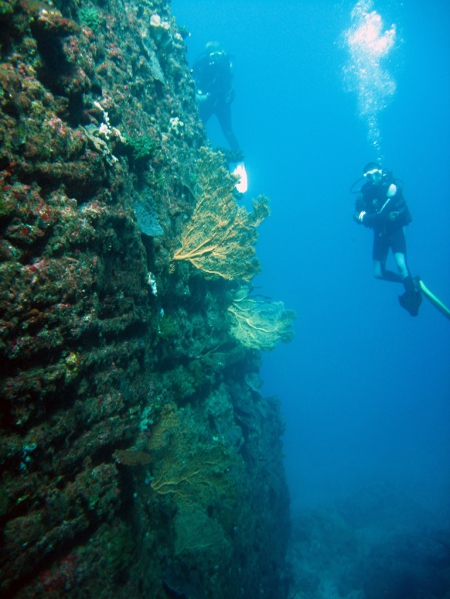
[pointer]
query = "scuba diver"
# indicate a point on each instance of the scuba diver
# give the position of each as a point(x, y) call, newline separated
point(214, 93)
point(380, 205)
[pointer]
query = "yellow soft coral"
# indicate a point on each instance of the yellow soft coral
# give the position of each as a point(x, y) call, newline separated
point(259, 324)
point(220, 237)
point(187, 467)
point(197, 474)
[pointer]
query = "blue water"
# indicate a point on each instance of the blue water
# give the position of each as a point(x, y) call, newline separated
point(365, 388)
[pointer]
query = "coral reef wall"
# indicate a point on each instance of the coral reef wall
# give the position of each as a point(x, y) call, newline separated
point(137, 456)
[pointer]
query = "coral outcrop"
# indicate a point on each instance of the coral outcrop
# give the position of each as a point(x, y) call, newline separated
point(137, 457)
point(220, 236)
point(258, 323)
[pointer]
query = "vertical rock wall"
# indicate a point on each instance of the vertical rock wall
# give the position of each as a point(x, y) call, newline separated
point(137, 456)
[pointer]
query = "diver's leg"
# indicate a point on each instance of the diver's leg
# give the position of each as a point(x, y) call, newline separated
point(403, 270)
point(380, 252)
point(412, 298)
point(206, 110)
point(223, 112)
point(398, 245)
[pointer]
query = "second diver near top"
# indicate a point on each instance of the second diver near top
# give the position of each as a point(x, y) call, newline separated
point(213, 77)
point(380, 205)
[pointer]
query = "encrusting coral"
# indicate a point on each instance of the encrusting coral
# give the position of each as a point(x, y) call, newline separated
point(138, 456)
point(259, 324)
point(220, 237)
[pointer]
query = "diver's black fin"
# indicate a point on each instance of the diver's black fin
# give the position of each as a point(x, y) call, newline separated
point(411, 302)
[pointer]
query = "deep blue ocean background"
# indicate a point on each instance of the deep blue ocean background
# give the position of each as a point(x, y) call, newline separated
point(364, 387)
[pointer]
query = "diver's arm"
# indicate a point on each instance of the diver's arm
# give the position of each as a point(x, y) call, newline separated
point(359, 211)
point(373, 219)
point(376, 218)
point(391, 191)
point(199, 71)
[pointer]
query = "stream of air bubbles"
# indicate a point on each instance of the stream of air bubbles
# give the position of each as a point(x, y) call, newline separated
point(369, 45)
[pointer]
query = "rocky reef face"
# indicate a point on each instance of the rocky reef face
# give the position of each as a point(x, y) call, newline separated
point(138, 458)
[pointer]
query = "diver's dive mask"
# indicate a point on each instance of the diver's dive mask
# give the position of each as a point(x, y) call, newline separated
point(374, 175)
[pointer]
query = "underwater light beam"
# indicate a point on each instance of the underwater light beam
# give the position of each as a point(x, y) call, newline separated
point(368, 45)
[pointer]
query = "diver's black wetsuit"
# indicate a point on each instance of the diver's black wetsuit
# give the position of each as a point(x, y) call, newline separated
point(384, 210)
point(213, 76)
point(387, 217)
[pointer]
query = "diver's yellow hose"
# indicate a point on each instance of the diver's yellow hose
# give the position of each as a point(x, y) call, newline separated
point(434, 300)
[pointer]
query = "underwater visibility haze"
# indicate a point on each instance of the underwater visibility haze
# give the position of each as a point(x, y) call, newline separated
point(365, 388)
point(156, 438)
point(322, 89)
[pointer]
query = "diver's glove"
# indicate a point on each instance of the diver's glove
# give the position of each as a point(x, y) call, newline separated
point(360, 217)
point(201, 97)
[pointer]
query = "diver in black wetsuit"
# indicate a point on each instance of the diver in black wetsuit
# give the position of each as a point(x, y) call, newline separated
point(214, 93)
point(381, 206)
